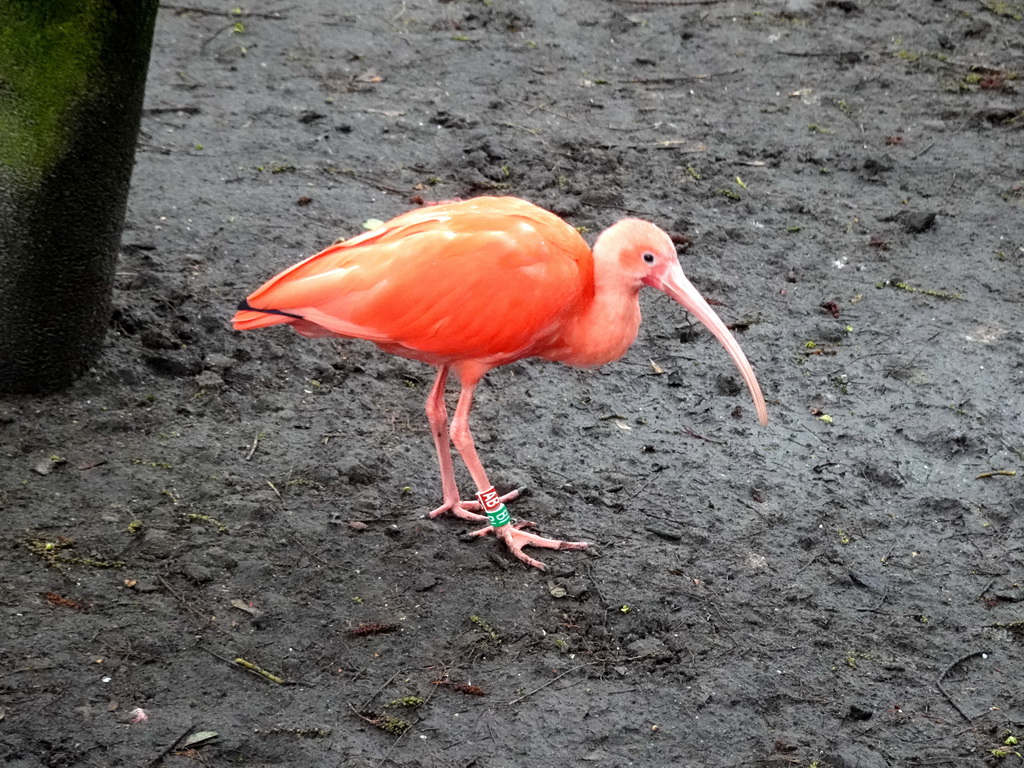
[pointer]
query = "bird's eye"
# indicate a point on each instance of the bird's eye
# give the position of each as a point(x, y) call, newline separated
point(649, 257)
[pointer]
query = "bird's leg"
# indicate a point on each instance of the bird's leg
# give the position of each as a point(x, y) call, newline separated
point(499, 520)
point(437, 415)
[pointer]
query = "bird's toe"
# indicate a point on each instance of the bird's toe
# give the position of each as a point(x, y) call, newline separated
point(460, 509)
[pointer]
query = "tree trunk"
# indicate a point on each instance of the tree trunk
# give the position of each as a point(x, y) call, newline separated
point(72, 78)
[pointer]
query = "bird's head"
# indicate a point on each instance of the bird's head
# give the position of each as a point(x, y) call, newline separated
point(644, 254)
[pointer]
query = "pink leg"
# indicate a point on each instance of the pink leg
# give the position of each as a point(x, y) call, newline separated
point(437, 415)
point(512, 534)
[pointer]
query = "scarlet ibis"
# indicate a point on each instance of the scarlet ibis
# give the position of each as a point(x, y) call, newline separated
point(474, 284)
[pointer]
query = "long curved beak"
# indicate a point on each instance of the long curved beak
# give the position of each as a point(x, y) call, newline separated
point(676, 285)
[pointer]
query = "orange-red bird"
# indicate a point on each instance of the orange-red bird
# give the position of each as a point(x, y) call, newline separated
point(471, 285)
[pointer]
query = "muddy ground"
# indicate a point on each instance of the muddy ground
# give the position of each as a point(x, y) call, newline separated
point(843, 587)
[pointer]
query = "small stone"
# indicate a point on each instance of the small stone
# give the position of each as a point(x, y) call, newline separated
point(607, 196)
point(209, 380)
point(218, 362)
point(198, 574)
point(858, 712)
point(359, 474)
point(916, 222)
point(863, 579)
point(44, 467)
point(676, 378)
point(176, 365)
point(664, 533)
point(727, 385)
point(877, 164)
point(221, 558)
point(650, 647)
point(576, 589)
point(424, 582)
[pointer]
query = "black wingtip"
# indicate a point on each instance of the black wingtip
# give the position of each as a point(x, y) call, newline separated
point(244, 305)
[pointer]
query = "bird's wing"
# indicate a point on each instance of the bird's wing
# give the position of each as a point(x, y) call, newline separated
point(484, 279)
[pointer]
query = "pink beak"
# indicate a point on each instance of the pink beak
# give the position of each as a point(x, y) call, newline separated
point(676, 285)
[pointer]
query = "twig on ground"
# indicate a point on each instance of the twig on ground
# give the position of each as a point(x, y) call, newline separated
point(363, 717)
point(821, 53)
point(808, 564)
point(252, 450)
point(945, 672)
point(196, 613)
point(994, 472)
point(923, 151)
point(558, 677)
point(672, 3)
point(554, 680)
point(227, 14)
point(245, 664)
point(377, 692)
point(987, 588)
point(877, 608)
point(251, 668)
point(167, 750)
point(671, 79)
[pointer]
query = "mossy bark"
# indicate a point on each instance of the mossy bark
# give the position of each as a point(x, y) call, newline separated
point(72, 78)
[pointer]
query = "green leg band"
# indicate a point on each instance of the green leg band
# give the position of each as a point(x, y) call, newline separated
point(499, 517)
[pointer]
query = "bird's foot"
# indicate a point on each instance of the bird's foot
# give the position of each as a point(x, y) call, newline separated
point(516, 538)
point(467, 509)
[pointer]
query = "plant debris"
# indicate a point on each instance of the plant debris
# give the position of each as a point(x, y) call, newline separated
point(364, 630)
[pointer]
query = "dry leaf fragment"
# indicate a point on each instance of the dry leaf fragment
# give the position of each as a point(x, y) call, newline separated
point(54, 599)
point(556, 591)
point(244, 606)
point(372, 629)
point(200, 737)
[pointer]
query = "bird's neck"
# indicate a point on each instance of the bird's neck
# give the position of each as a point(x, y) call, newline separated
point(604, 325)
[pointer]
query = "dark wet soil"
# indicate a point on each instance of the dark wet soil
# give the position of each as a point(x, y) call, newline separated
point(843, 587)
